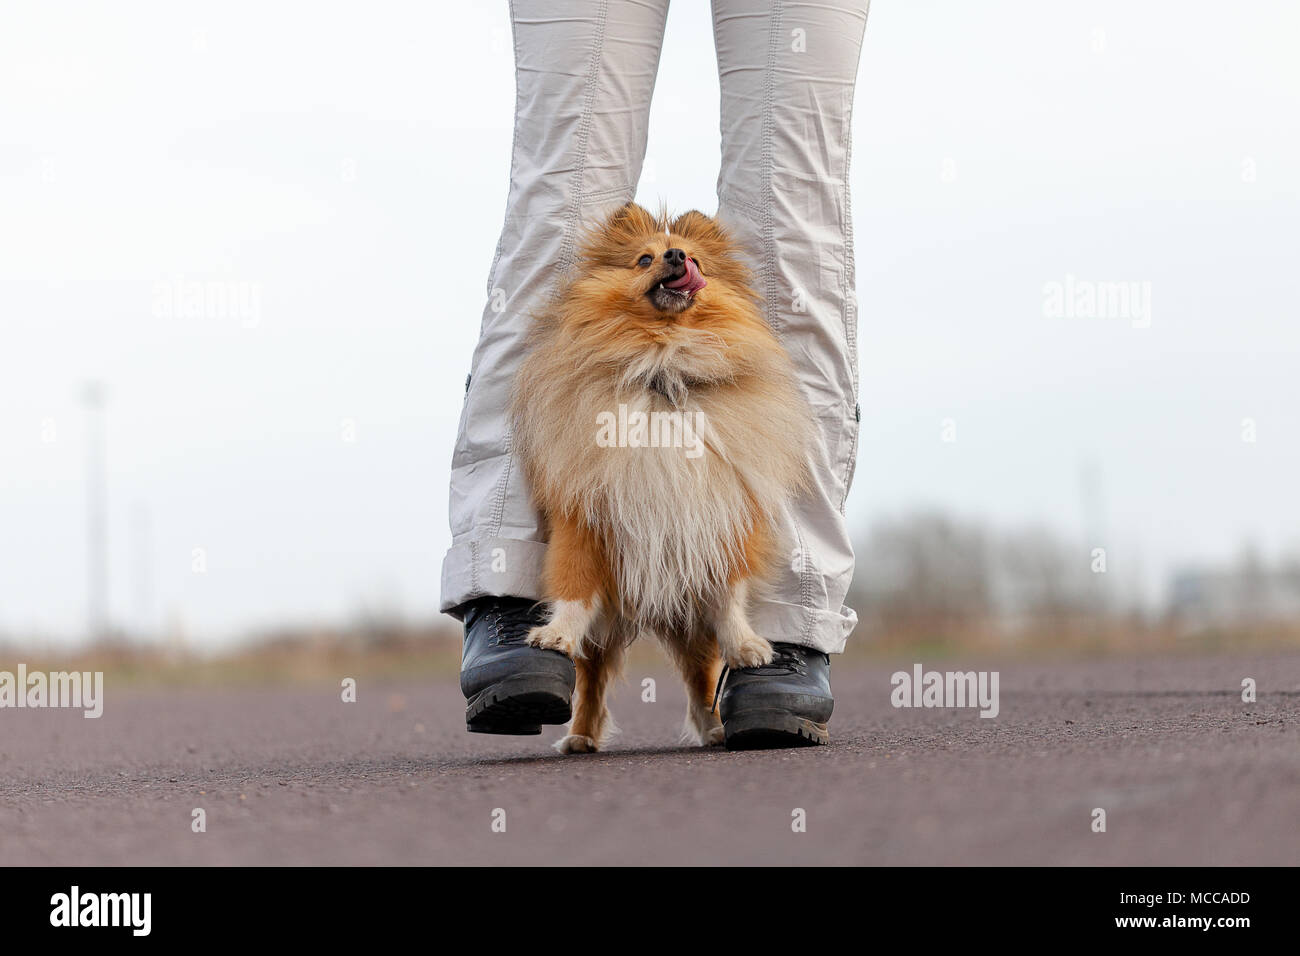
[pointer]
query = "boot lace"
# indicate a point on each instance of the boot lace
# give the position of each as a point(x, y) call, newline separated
point(509, 622)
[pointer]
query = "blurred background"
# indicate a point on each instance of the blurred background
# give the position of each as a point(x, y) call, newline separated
point(243, 250)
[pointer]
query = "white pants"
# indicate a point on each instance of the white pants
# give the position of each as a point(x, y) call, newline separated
point(585, 71)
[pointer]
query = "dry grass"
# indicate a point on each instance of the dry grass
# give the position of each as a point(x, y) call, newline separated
point(433, 651)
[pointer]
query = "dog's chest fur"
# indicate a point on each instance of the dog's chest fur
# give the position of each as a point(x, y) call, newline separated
point(673, 518)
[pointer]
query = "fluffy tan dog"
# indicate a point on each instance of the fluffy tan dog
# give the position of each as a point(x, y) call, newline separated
point(662, 432)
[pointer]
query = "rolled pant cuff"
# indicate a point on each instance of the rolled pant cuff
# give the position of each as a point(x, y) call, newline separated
point(822, 630)
point(491, 566)
point(513, 567)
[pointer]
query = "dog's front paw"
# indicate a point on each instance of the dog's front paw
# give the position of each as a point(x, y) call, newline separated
point(552, 637)
point(576, 744)
point(701, 728)
point(748, 650)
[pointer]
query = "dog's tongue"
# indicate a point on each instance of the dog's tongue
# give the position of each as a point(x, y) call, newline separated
point(690, 282)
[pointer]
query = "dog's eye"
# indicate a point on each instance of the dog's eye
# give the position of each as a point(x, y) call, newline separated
point(645, 261)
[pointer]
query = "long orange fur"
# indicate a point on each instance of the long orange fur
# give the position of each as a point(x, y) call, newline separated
point(651, 539)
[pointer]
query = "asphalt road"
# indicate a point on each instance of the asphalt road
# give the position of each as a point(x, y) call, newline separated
point(1186, 772)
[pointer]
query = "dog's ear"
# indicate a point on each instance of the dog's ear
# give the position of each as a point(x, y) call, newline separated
point(630, 221)
point(720, 252)
point(608, 242)
point(708, 235)
point(695, 225)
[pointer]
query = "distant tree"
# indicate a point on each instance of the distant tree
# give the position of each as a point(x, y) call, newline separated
point(923, 571)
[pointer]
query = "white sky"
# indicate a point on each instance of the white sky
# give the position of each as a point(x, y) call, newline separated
point(349, 161)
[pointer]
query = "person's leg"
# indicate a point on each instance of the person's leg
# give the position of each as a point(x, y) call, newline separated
point(787, 73)
point(584, 72)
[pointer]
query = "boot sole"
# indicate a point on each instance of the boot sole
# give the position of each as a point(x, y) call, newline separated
point(518, 706)
point(772, 730)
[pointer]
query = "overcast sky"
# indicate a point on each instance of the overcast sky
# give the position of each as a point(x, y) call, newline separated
point(340, 169)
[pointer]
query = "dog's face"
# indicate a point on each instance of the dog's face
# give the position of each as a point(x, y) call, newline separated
point(662, 302)
point(652, 271)
point(676, 275)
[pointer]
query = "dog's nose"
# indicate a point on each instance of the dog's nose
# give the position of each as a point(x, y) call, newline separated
point(675, 257)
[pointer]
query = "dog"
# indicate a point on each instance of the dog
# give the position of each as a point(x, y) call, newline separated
point(661, 430)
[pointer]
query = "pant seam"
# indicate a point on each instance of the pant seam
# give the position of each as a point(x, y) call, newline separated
point(499, 498)
point(848, 283)
point(768, 233)
point(848, 300)
point(571, 219)
point(767, 224)
point(568, 254)
point(473, 568)
point(514, 145)
point(733, 199)
point(614, 192)
point(499, 501)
